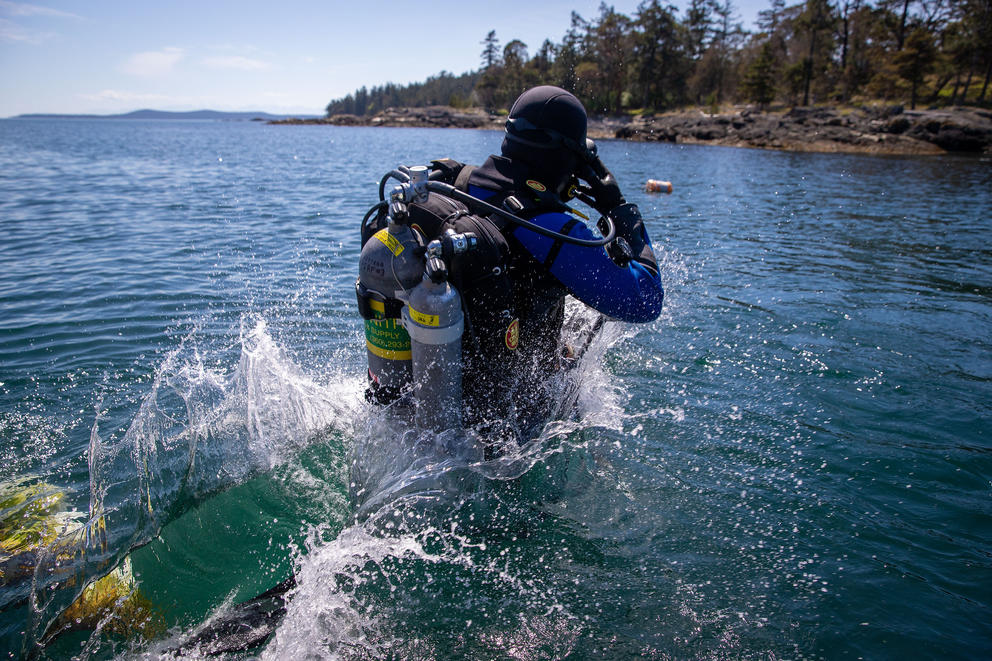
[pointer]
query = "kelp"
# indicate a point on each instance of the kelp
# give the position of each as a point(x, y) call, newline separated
point(34, 521)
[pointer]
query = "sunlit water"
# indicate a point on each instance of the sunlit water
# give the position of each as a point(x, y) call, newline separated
point(792, 462)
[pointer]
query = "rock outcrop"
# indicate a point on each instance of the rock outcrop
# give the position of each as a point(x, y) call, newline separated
point(890, 130)
point(430, 117)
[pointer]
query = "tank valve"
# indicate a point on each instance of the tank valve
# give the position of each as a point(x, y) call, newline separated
point(414, 190)
point(451, 244)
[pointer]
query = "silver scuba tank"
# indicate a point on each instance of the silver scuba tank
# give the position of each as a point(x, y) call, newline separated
point(391, 262)
point(434, 319)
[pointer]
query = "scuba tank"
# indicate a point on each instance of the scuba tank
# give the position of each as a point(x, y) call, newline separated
point(434, 319)
point(391, 262)
point(401, 293)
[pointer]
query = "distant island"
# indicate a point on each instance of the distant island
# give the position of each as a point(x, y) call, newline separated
point(247, 116)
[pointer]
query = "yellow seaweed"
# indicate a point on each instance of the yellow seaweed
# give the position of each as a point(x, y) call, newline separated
point(33, 519)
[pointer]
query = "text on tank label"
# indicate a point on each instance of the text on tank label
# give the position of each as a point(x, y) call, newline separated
point(390, 242)
point(536, 185)
point(424, 319)
point(387, 339)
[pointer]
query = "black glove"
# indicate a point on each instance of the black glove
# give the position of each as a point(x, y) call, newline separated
point(603, 186)
point(632, 239)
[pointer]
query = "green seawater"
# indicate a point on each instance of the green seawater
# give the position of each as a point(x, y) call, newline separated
point(793, 461)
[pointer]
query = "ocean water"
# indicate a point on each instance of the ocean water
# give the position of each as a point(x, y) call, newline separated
point(794, 461)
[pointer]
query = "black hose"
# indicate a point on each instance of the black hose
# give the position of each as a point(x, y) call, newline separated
point(392, 174)
point(474, 202)
point(375, 209)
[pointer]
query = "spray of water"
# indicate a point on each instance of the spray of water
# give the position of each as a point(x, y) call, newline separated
point(430, 525)
point(198, 430)
point(433, 522)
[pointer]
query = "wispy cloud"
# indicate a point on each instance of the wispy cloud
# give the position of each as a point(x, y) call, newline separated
point(236, 62)
point(12, 32)
point(153, 63)
point(25, 9)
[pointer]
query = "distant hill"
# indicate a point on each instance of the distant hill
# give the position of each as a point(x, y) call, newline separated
point(162, 114)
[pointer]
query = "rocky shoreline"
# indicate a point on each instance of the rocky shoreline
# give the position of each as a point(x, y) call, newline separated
point(889, 130)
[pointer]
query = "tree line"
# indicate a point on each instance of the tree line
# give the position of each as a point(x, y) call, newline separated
point(937, 52)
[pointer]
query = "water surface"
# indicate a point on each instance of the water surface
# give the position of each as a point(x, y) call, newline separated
point(792, 462)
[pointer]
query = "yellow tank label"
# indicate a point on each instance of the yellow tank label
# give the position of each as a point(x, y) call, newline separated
point(424, 319)
point(387, 339)
point(390, 242)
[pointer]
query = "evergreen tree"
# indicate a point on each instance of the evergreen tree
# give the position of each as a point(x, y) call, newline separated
point(697, 27)
point(609, 50)
point(513, 81)
point(759, 81)
point(658, 61)
point(916, 60)
point(815, 25)
point(563, 69)
point(490, 51)
point(769, 19)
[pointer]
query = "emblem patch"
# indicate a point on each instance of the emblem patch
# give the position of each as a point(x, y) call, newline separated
point(513, 335)
point(536, 185)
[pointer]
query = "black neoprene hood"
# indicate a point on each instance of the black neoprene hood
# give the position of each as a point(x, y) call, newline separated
point(551, 108)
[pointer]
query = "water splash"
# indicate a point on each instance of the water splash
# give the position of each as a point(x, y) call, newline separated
point(425, 506)
point(199, 430)
point(432, 522)
point(418, 498)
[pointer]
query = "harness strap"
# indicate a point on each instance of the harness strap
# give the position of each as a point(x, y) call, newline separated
point(556, 246)
point(461, 181)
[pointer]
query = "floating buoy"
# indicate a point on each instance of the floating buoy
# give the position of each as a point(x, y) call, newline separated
point(658, 186)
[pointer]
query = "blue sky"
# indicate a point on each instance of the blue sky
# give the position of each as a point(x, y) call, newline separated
point(109, 56)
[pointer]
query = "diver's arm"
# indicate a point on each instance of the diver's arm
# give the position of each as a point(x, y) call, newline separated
point(632, 238)
point(630, 228)
point(632, 292)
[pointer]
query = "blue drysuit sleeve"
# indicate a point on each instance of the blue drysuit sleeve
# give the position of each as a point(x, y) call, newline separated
point(632, 293)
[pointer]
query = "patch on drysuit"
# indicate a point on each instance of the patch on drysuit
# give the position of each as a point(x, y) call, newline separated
point(512, 337)
point(536, 185)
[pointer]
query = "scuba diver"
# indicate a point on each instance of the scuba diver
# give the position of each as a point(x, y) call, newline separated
point(522, 250)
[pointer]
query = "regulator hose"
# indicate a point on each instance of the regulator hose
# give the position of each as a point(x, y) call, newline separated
point(475, 203)
point(398, 175)
point(375, 209)
point(480, 205)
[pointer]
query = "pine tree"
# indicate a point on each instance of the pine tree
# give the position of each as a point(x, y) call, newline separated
point(759, 81)
point(916, 60)
point(490, 51)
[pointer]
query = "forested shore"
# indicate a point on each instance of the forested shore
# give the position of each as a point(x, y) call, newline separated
point(816, 75)
point(874, 130)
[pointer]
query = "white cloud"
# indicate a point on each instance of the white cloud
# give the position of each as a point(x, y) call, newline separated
point(12, 32)
point(153, 63)
point(24, 9)
point(236, 62)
